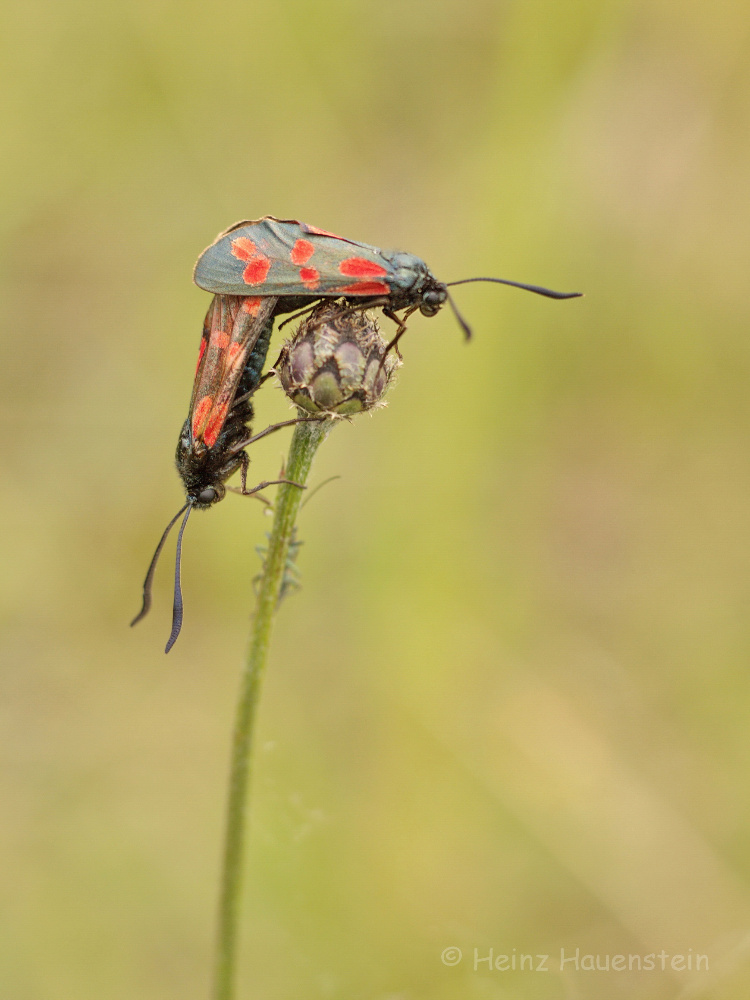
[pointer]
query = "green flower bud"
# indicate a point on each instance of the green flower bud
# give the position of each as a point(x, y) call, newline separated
point(334, 363)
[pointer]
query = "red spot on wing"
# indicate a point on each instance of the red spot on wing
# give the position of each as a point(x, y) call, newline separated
point(221, 340)
point(201, 352)
point(199, 414)
point(309, 277)
point(214, 425)
point(258, 265)
point(301, 252)
point(234, 350)
point(252, 304)
point(321, 232)
point(364, 288)
point(361, 267)
point(243, 248)
point(256, 271)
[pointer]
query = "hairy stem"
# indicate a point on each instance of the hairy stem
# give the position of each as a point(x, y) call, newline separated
point(307, 437)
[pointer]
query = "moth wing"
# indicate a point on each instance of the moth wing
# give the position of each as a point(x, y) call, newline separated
point(279, 257)
point(210, 323)
point(230, 331)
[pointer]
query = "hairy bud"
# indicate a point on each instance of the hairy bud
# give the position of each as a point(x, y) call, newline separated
point(334, 363)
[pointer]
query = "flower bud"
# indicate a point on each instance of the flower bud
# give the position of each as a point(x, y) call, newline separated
point(335, 362)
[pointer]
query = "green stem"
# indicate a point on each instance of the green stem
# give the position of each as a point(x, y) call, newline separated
point(307, 437)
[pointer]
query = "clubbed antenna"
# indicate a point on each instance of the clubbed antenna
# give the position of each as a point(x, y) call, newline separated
point(152, 568)
point(537, 289)
point(461, 321)
point(177, 605)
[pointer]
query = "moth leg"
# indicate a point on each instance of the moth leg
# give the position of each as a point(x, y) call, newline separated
point(255, 496)
point(401, 323)
point(271, 429)
point(238, 400)
point(243, 461)
point(272, 482)
point(296, 315)
point(245, 492)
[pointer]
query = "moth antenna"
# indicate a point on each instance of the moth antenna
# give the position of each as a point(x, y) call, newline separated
point(461, 321)
point(152, 569)
point(177, 605)
point(537, 289)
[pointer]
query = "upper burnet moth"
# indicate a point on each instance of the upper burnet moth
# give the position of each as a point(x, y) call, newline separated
point(299, 264)
point(236, 334)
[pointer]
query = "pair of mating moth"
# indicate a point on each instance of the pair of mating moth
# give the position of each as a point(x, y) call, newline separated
point(258, 270)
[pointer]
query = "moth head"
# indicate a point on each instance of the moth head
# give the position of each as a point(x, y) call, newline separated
point(432, 299)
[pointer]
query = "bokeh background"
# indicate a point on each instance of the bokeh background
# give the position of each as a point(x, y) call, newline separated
point(510, 707)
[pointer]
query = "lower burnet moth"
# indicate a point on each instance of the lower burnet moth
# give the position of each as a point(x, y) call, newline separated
point(236, 334)
point(300, 264)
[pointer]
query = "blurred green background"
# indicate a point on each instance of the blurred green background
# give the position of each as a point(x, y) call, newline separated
point(509, 708)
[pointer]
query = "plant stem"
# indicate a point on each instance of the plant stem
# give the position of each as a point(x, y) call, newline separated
point(307, 437)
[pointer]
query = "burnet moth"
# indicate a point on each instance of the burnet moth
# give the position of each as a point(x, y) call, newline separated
point(258, 269)
point(300, 264)
point(211, 447)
